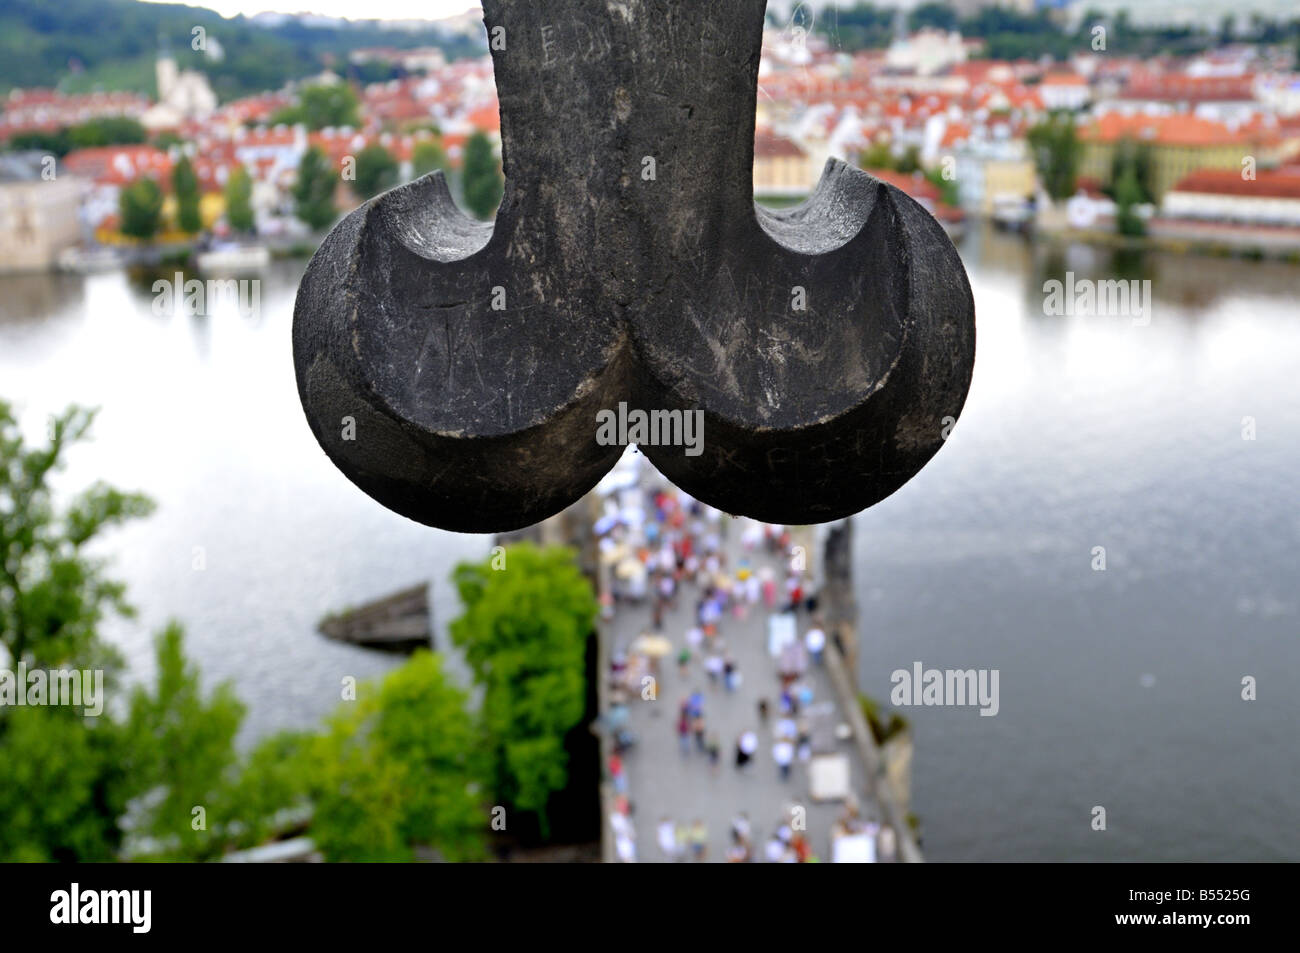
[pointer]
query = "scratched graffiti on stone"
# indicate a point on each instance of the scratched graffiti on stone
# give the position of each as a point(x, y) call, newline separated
point(669, 291)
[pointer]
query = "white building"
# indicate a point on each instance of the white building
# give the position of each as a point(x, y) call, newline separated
point(1223, 196)
point(38, 211)
point(1064, 91)
point(1280, 94)
point(1084, 211)
point(182, 95)
point(926, 52)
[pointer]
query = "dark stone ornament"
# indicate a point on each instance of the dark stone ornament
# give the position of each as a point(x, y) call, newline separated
point(829, 346)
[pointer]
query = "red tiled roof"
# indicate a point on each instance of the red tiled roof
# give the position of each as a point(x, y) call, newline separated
point(118, 165)
point(486, 118)
point(1179, 86)
point(1281, 183)
point(955, 133)
point(769, 145)
point(1178, 130)
point(1064, 79)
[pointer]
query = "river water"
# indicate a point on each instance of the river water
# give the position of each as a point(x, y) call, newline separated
point(202, 414)
point(1119, 688)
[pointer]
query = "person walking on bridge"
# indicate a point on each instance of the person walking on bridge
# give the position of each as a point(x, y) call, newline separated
point(699, 840)
point(783, 755)
point(667, 836)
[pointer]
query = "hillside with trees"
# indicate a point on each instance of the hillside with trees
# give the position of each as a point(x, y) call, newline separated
point(52, 45)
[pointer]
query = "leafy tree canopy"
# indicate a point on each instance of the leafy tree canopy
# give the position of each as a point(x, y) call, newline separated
point(321, 106)
point(313, 192)
point(140, 207)
point(376, 171)
point(524, 634)
point(239, 201)
point(400, 767)
point(481, 181)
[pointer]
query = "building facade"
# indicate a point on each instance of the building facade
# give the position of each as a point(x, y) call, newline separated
point(39, 202)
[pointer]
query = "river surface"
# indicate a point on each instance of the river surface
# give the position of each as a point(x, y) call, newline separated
point(1121, 688)
point(202, 414)
point(1118, 689)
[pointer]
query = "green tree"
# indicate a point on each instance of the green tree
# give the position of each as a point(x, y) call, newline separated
point(1057, 154)
point(373, 72)
point(62, 782)
point(910, 160)
point(334, 104)
point(1137, 156)
point(327, 104)
point(1227, 28)
point(106, 131)
point(1013, 34)
point(400, 768)
point(166, 140)
point(429, 157)
point(275, 777)
point(877, 156)
point(140, 207)
point(239, 201)
point(948, 191)
point(482, 181)
point(185, 184)
point(524, 634)
point(938, 16)
point(376, 171)
point(313, 192)
point(356, 798)
point(442, 769)
point(53, 593)
point(386, 782)
point(884, 725)
point(861, 26)
point(1128, 195)
point(1144, 169)
point(55, 143)
point(182, 752)
point(62, 789)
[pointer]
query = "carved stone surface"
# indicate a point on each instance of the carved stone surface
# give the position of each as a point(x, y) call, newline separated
point(633, 265)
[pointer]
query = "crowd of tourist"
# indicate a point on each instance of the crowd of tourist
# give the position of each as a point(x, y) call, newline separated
point(661, 553)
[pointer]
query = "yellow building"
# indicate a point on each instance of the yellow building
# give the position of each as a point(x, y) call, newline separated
point(212, 205)
point(1007, 179)
point(781, 167)
point(1179, 145)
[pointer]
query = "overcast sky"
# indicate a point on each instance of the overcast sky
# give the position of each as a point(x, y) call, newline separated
point(355, 9)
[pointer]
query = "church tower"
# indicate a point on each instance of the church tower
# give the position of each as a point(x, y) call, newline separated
point(165, 71)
